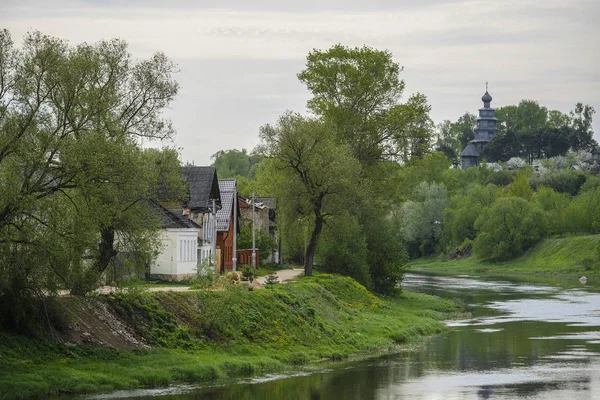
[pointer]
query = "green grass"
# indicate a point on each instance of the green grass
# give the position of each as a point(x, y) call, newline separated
point(568, 256)
point(213, 335)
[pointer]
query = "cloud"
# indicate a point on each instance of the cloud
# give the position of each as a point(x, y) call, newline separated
point(239, 62)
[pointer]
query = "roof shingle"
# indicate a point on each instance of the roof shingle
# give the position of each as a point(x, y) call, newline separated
point(170, 220)
point(203, 186)
point(227, 187)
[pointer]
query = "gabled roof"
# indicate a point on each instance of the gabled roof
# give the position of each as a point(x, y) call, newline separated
point(171, 220)
point(203, 187)
point(227, 187)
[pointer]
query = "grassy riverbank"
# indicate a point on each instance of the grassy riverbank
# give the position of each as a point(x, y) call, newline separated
point(204, 336)
point(568, 256)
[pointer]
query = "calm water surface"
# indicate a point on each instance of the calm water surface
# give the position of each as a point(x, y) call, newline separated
point(524, 341)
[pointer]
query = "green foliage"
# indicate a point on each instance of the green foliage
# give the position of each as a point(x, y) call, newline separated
point(561, 180)
point(431, 168)
point(520, 187)
point(423, 217)
point(387, 256)
point(264, 242)
point(508, 228)
point(533, 132)
point(552, 256)
point(72, 173)
point(463, 211)
point(583, 213)
point(357, 90)
point(454, 136)
point(271, 279)
point(247, 272)
point(310, 174)
point(235, 163)
point(148, 317)
point(343, 249)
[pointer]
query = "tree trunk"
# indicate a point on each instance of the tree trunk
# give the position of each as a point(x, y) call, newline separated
point(312, 245)
point(106, 249)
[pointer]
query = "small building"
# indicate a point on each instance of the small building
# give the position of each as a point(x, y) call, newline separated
point(227, 226)
point(484, 132)
point(178, 258)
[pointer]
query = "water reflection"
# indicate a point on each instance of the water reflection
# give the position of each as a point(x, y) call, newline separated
point(533, 341)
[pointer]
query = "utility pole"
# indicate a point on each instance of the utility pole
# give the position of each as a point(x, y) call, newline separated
point(235, 217)
point(253, 234)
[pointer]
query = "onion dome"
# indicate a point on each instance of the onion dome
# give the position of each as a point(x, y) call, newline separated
point(486, 97)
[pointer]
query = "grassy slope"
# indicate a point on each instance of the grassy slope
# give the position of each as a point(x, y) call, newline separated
point(210, 335)
point(555, 256)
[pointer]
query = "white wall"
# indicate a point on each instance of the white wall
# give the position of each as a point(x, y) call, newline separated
point(178, 256)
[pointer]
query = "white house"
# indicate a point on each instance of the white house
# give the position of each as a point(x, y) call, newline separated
point(178, 257)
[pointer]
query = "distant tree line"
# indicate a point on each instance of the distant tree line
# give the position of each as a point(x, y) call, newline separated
point(526, 130)
point(498, 214)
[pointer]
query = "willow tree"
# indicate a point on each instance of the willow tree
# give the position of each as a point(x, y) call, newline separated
point(309, 172)
point(67, 114)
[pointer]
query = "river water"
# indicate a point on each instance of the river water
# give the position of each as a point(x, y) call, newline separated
point(524, 341)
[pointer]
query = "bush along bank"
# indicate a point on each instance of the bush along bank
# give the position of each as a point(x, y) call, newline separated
point(567, 256)
point(194, 337)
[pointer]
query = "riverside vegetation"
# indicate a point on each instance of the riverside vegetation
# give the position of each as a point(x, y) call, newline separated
point(203, 336)
point(569, 256)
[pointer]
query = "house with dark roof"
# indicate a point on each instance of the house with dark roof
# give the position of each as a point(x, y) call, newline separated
point(227, 225)
point(199, 206)
point(178, 256)
point(203, 205)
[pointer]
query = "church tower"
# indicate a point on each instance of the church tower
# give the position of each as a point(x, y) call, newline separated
point(484, 132)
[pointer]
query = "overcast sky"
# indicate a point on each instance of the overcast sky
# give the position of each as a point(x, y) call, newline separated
point(238, 59)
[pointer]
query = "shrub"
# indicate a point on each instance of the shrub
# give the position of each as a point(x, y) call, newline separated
point(343, 249)
point(508, 228)
point(562, 181)
point(298, 358)
point(272, 279)
point(247, 273)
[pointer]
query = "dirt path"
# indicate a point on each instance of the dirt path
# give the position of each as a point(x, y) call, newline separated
point(283, 275)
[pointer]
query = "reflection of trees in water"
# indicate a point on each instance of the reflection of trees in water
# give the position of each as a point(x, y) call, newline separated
point(485, 392)
point(468, 349)
point(529, 389)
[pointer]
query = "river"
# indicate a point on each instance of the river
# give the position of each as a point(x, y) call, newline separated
point(524, 341)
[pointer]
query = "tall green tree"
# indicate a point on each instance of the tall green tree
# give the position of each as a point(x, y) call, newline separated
point(463, 128)
point(309, 172)
point(357, 91)
point(233, 163)
point(582, 134)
